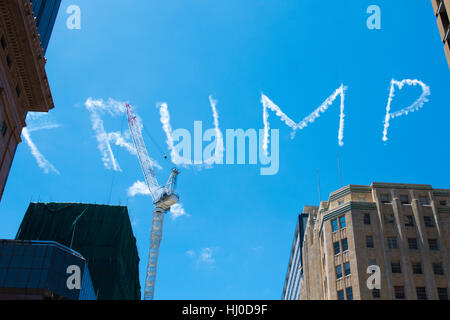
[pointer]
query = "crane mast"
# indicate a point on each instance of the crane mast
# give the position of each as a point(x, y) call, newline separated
point(163, 198)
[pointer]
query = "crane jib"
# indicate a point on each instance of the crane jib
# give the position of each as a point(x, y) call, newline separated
point(164, 197)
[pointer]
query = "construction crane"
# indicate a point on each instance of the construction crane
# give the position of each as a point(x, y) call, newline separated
point(163, 198)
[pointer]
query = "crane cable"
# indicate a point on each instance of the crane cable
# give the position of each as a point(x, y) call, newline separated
point(156, 144)
point(118, 152)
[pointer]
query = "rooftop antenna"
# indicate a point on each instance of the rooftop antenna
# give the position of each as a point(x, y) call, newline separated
point(339, 168)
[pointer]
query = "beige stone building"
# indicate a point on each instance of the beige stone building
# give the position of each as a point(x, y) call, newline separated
point(404, 229)
point(442, 12)
point(23, 81)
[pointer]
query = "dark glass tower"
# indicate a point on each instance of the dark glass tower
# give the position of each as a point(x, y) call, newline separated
point(37, 270)
point(103, 235)
point(45, 12)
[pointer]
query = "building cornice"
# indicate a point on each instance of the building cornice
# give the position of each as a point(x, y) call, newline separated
point(349, 206)
point(382, 185)
point(441, 192)
point(443, 210)
point(24, 47)
point(349, 189)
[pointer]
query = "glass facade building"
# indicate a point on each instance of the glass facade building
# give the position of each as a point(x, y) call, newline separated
point(294, 275)
point(40, 270)
point(102, 234)
point(45, 12)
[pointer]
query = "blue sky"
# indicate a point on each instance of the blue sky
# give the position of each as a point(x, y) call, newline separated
point(236, 240)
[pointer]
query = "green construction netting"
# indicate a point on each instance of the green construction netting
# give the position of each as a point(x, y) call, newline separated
point(102, 234)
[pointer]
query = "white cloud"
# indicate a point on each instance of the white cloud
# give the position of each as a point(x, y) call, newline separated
point(177, 211)
point(96, 108)
point(42, 162)
point(268, 104)
point(258, 249)
point(165, 121)
point(190, 253)
point(218, 152)
point(217, 158)
point(140, 188)
point(111, 106)
point(122, 141)
point(405, 111)
point(205, 256)
point(43, 127)
point(37, 121)
point(104, 139)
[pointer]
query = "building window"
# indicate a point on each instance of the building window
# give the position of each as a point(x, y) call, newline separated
point(369, 242)
point(392, 242)
point(8, 61)
point(340, 202)
point(376, 293)
point(437, 268)
point(18, 91)
point(385, 198)
point(417, 267)
point(389, 218)
point(421, 293)
point(367, 218)
point(3, 42)
point(344, 243)
point(396, 267)
point(433, 243)
point(409, 221)
point(334, 225)
point(443, 202)
point(362, 199)
point(347, 270)
point(412, 243)
point(423, 200)
point(4, 128)
point(442, 293)
point(399, 292)
point(349, 293)
point(442, 13)
point(428, 221)
point(337, 248)
point(340, 295)
point(338, 272)
point(342, 222)
point(404, 199)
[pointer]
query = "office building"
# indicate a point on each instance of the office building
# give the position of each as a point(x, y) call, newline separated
point(45, 12)
point(442, 11)
point(23, 81)
point(400, 229)
point(102, 234)
point(36, 270)
point(291, 290)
